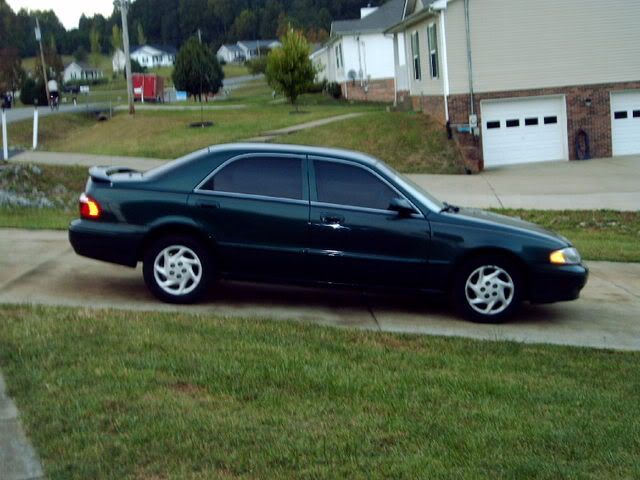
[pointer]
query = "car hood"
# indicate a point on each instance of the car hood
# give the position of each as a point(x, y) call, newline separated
point(515, 224)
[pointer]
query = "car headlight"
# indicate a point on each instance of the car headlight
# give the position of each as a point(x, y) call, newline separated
point(565, 256)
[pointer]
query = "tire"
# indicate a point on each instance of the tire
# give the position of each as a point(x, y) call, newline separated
point(174, 279)
point(488, 289)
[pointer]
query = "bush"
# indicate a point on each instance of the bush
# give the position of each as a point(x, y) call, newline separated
point(94, 81)
point(31, 91)
point(257, 65)
point(334, 90)
point(317, 87)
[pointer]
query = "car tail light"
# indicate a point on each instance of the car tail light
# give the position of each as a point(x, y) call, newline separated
point(89, 208)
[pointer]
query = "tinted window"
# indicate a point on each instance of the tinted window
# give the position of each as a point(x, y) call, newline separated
point(268, 176)
point(620, 115)
point(513, 123)
point(550, 120)
point(349, 185)
point(636, 114)
point(531, 121)
point(493, 124)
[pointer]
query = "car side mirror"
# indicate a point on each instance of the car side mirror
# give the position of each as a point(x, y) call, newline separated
point(402, 206)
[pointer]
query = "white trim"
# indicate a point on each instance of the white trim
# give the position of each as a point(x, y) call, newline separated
point(445, 64)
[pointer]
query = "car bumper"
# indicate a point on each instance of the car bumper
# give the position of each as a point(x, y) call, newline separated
point(108, 242)
point(555, 283)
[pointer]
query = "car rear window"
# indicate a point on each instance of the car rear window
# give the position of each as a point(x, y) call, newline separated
point(279, 177)
point(349, 185)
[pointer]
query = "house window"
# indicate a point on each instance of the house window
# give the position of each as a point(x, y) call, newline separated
point(415, 51)
point(339, 59)
point(432, 37)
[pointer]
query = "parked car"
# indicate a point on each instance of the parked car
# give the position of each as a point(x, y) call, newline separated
point(317, 216)
point(71, 88)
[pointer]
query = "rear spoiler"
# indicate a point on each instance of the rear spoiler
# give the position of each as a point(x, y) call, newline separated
point(102, 174)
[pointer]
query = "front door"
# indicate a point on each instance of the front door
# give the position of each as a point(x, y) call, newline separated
point(256, 208)
point(354, 237)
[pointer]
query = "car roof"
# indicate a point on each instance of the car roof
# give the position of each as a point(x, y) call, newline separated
point(339, 153)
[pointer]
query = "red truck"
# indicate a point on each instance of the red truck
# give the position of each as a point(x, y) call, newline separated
point(148, 87)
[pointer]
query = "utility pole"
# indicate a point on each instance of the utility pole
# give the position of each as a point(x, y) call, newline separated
point(44, 66)
point(123, 5)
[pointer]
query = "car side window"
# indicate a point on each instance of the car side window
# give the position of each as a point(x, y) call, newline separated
point(279, 177)
point(349, 185)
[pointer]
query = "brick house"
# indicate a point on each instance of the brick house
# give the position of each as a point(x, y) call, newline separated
point(360, 57)
point(522, 81)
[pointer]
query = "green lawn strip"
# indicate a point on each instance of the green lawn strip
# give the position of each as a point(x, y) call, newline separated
point(108, 394)
point(409, 142)
point(598, 234)
point(162, 134)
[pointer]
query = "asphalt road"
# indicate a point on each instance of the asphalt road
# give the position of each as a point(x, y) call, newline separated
point(26, 113)
point(40, 267)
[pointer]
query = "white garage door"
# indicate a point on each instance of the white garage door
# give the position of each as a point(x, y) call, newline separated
point(523, 130)
point(625, 122)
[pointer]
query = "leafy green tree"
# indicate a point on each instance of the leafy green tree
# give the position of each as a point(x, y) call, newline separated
point(80, 54)
point(258, 65)
point(142, 40)
point(245, 25)
point(94, 38)
point(289, 68)
point(11, 73)
point(197, 69)
point(116, 38)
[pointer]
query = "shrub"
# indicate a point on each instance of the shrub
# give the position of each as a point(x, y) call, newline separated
point(334, 90)
point(257, 65)
point(31, 91)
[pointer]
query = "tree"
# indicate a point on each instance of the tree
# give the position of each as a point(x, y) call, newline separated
point(52, 59)
point(116, 38)
point(11, 73)
point(142, 40)
point(94, 38)
point(289, 68)
point(80, 54)
point(197, 69)
point(245, 25)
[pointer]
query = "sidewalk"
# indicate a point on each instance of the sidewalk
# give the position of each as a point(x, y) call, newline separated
point(610, 183)
point(18, 460)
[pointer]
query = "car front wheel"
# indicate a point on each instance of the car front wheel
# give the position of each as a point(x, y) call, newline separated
point(177, 269)
point(488, 289)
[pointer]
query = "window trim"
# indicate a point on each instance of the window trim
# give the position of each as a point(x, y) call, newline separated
point(305, 189)
point(433, 51)
point(316, 203)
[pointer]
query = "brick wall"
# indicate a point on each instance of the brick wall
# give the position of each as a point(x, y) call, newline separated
point(375, 91)
point(594, 119)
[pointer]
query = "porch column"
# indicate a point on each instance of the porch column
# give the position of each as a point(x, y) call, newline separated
point(396, 69)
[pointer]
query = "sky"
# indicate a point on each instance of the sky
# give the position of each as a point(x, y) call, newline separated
point(68, 11)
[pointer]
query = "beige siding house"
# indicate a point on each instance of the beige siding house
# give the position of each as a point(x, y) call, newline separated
point(530, 81)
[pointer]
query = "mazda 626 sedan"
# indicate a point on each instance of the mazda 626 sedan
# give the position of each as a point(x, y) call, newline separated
point(303, 215)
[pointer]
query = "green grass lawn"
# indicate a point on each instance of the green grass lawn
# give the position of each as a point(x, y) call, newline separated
point(410, 142)
point(232, 70)
point(107, 394)
point(162, 134)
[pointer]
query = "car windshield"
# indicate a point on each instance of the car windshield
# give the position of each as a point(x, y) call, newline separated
point(413, 188)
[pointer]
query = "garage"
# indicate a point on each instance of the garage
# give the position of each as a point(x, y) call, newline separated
point(523, 130)
point(625, 122)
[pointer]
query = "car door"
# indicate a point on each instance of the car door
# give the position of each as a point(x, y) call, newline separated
point(354, 237)
point(256, 207)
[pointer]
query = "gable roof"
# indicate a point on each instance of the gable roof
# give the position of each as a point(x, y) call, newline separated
point(232, 47)
point(384, 17)
point(412, 13)
point(83, 66)
point(167, 49)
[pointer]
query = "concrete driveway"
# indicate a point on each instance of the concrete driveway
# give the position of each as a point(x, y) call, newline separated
point(40, 267)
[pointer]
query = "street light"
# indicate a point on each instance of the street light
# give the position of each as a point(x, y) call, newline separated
point(123, 5)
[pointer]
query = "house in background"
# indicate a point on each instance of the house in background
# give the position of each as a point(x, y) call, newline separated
point(80, 71)
point(118, 61)
point(530, 81)
point(256, 48)
point(230, 53)
point(151, 56)
point(360, 56)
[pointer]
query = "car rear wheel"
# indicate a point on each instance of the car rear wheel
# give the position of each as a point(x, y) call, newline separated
point(488, 289)
point(177, 269)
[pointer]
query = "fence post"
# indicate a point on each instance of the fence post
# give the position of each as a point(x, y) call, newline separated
point(35, 127)
point(5, 144)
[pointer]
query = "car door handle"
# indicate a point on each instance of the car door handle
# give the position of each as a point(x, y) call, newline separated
point(332, 219)
point(209, 205)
